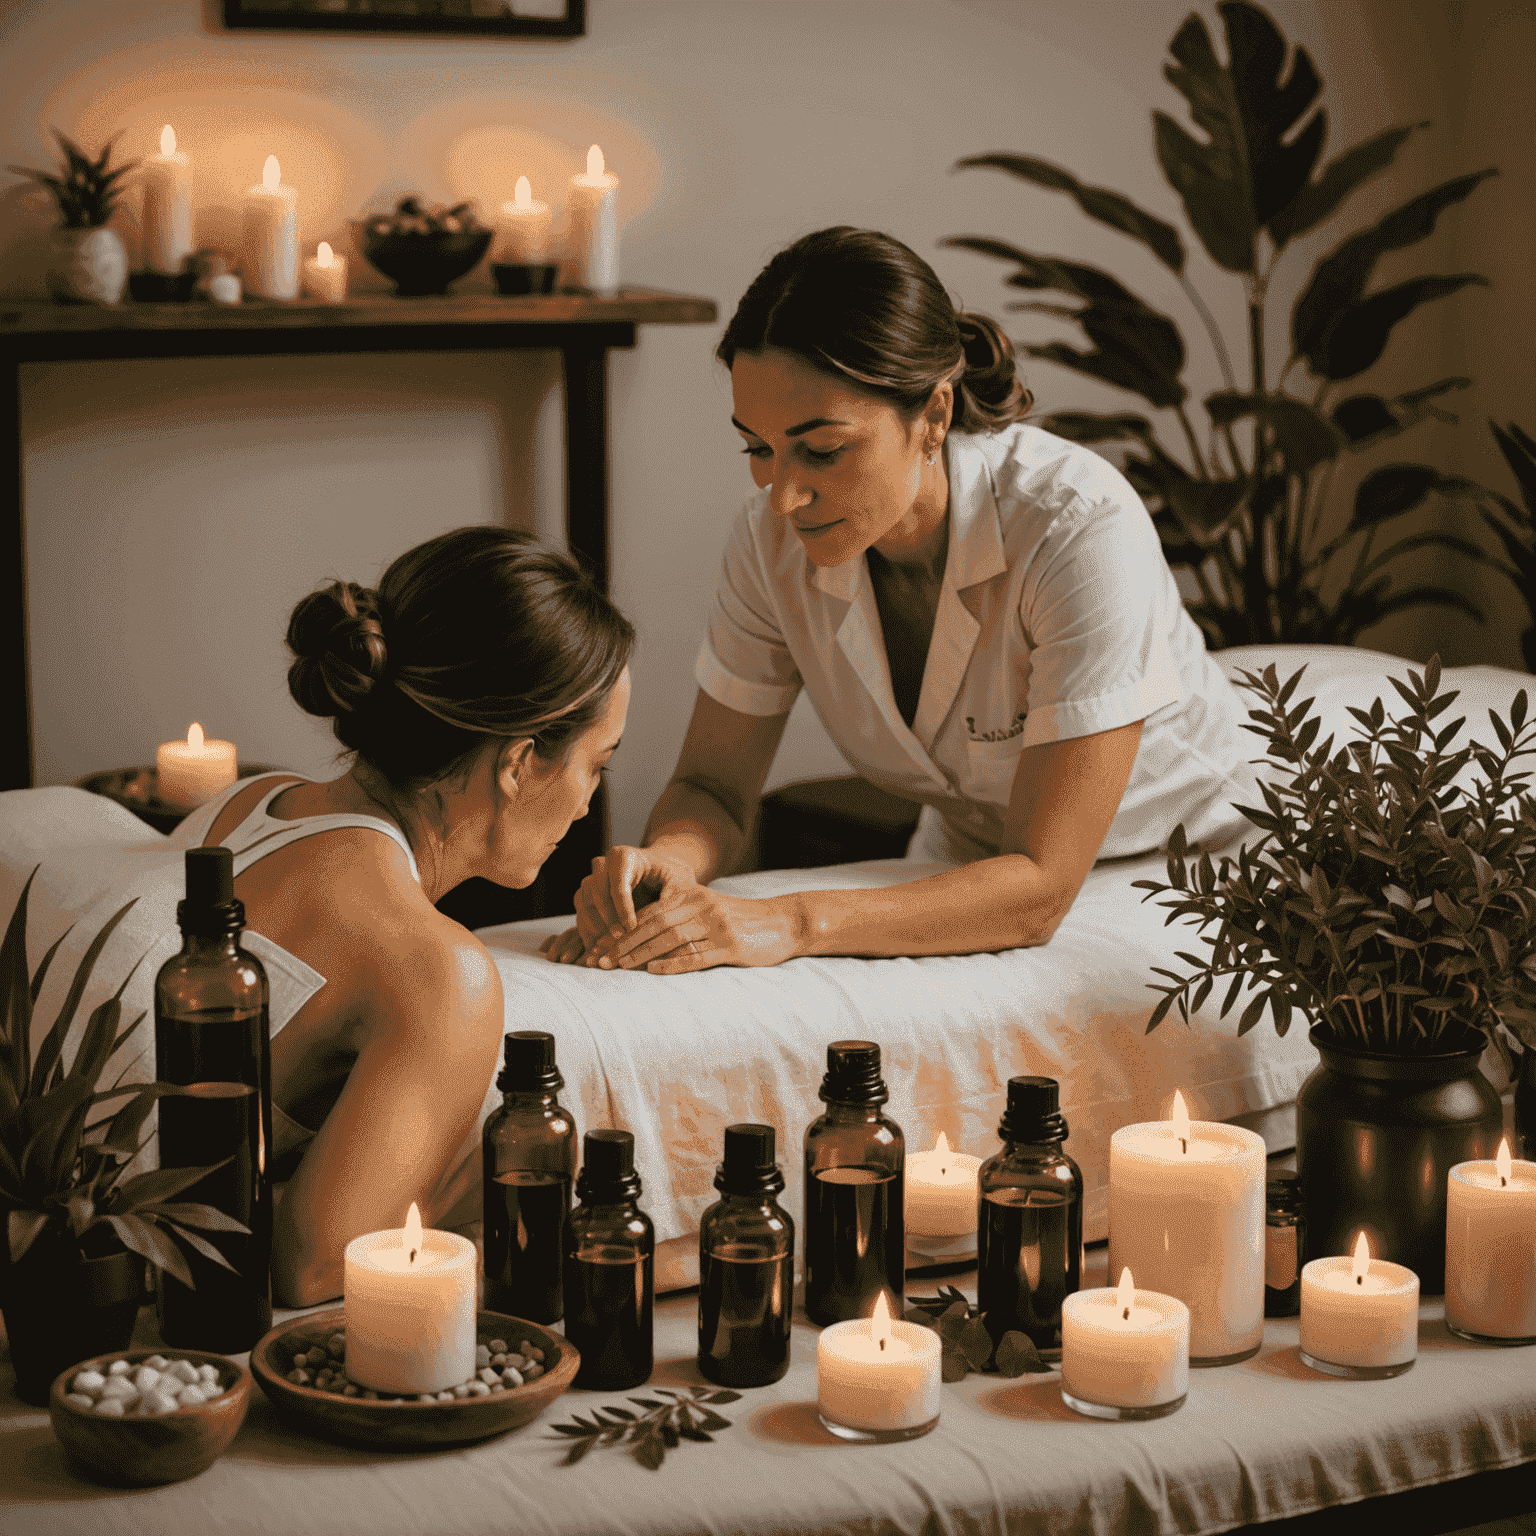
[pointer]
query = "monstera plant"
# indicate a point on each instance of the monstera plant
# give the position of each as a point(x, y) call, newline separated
point(1514, 523)
point(1244, 510)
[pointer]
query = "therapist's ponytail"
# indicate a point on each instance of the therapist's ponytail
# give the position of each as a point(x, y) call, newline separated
point(863, 307)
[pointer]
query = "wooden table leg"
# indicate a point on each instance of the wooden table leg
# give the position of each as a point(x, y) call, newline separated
point(586, 455)
point(15, 681)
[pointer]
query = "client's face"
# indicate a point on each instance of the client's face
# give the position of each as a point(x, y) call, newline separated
point(843, 468)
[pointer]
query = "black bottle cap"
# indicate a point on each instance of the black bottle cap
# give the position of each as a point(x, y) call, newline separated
point(528, 1057)
point(853, 1074)
point(1033, 1113)
point(607, 1168)
point(210, 906)
point(749, 1167)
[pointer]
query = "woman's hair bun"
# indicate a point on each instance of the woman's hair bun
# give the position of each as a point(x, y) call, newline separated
point(991, 394)
point(337, 641)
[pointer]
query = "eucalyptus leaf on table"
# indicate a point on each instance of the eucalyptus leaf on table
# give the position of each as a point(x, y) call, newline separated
point(663, 1426)
point(969, 1343)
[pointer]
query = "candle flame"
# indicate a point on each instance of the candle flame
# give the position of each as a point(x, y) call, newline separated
point(523, 196)
point(410, 1239)
point(1125, 1295)
point(195, 736)
point(271, 174)
point(325, 256)
point(167, 140)
point(880, 1321)
point(595, 162)
point(1361, 1266)
point(1504, 1163)
point(1180, 1118)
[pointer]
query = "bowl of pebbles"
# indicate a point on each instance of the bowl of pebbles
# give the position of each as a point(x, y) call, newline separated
point(145, 1416)
point(520, 1368)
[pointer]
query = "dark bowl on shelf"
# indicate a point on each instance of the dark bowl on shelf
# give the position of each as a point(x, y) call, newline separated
point(422, 264)
point(161, 287)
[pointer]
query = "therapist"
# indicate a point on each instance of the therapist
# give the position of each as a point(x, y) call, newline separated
point(980, 611)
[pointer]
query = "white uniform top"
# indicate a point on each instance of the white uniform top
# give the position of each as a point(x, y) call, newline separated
point(1058, 618)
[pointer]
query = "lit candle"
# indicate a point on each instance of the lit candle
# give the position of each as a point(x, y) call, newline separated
point(270, 261)
point(192, 771)
point(325, 275)
point(1490, 1249)
point(167, 181)
point(409, 1300)
point(522, 231)
point(941, 1192)
point(1186, 1213)
point(594, 218)
point(1359, 1315)
point(1124, 1352)
point(878, 1378)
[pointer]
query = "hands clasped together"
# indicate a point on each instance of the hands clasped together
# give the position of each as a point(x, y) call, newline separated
point(639, 910)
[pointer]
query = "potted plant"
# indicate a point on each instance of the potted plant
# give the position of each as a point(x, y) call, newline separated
point(1390, 901)
point(88, 263)
point(77, 1233)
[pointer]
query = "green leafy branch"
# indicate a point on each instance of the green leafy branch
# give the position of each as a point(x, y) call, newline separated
point(969, 1341)
point(687, 1415)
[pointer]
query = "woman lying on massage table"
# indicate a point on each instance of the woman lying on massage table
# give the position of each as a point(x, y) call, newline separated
point(980, 611)
point(482, 688)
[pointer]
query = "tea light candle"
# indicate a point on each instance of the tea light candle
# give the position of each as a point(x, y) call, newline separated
point(1186, 1214)
point(878, 1379)
point(594, 219)
point(325, 275)
point(1359, 1315)
point(270, 255)
point(409, 1300)
point(1490, 1250)
point(941, 1192)
point(193, 771)
point(522, 230)
point(167, 182)
point(1124, 1352)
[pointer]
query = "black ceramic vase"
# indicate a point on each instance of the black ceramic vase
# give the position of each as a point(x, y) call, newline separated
point(1525, 1103)
point(61, 1308)
point(1376, 1136)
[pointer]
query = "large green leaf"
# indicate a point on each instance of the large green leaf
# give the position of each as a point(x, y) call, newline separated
point(1359, 336)
point(1364, 418)
point(1161, 238)
point(1303, 436)
point(1340, 177)
point(146, 1239)
point(159, 1184)
point(1202, 509)
point(22, 1228)
point(1519, 450)
point(1398, 488)
point(1338, 282)
point(16, 1003)
point(1255, 161)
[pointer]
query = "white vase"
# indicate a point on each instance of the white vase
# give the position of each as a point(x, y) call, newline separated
point(87, 266)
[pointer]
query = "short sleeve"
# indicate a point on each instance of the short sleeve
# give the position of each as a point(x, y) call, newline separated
point(744, 662)
point(1098, 610)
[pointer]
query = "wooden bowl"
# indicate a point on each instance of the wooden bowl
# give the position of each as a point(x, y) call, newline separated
point(158, 1448)
point(357, 1421)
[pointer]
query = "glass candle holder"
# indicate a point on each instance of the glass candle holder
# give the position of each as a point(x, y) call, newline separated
point(1359, 1317)
point(878, 1378)
point(1124, 1353)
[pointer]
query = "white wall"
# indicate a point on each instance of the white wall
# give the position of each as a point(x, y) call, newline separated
point(177, 510)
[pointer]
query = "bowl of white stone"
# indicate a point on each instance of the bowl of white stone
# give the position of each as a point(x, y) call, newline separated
point(147, 1416)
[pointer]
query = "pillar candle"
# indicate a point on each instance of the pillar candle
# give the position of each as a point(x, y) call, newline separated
point(1359, 1315)
point(877, 1376)
point(190, 772)
point(522, 229)
point(167, 181)
point(325, 275)
point(594, 221)
point(1490, 1248)
point(941, 1192)
point(269, 265)
point(1125, 1350)
point(1186, 1216)
point(409, 1300)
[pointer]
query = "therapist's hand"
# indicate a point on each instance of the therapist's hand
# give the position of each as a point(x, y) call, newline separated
point(692, 928)
point(622, 882)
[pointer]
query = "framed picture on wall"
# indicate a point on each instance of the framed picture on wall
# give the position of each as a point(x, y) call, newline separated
point(433, 18)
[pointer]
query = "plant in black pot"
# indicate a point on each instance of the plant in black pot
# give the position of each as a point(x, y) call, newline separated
point(1391, 901)
point(77, 1232)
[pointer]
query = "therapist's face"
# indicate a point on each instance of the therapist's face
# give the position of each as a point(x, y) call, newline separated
point(840, 465)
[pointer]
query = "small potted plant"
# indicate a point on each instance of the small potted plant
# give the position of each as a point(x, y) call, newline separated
point(76, 1232)
point(1390, 901)
point(88, 263)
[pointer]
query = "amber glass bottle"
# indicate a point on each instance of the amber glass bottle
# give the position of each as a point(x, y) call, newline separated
point(212, 1036)
point(855, 1161)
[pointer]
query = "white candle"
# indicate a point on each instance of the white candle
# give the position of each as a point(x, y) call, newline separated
point(409, 1300)
point(1490, 1248)
point(1359, 1315)
point(167, 181)
point(192, 771)
point(941, 1192)
point(225, 288)
point(594, 219)
point(878, 1376)
point(1124, 1349)
point(325, 275)
point(270, 252)
point(1186, 1214)
point(522, 230)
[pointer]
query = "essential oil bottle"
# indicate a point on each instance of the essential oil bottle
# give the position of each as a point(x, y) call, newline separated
point(855, 1160)
point(529, 1153)
point(610, 1280)
point(212, 1035)
point(746, 1266)
point(1029, 1231)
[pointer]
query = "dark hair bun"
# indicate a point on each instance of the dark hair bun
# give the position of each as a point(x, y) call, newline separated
point(338, 645)
point(989, 394)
